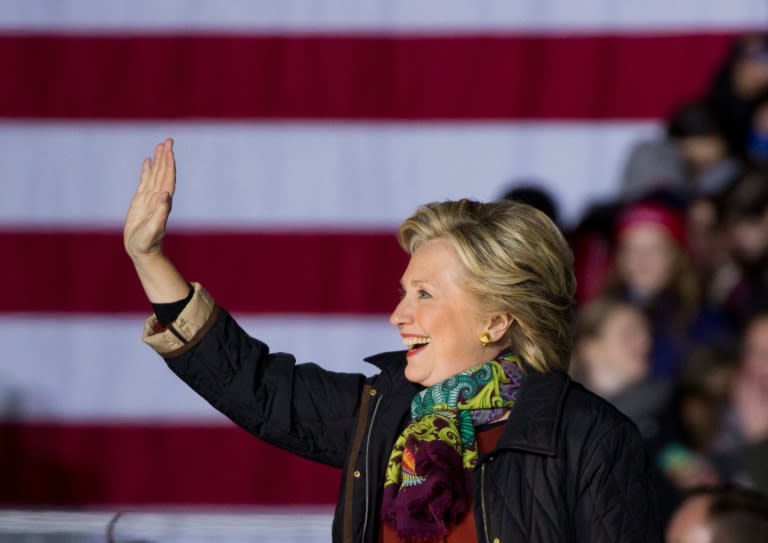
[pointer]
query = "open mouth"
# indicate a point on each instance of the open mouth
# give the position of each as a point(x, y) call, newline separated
point(415, 343)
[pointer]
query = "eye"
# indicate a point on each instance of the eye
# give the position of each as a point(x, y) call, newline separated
point(401, 293)
point(424, 294)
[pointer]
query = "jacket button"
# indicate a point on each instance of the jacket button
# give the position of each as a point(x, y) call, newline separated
point(372, 392)
point(356, 474)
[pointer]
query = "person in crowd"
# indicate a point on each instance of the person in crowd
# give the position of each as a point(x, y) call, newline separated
point(532, 193)
point(693, 160)
point(592, 244)
point(757, 139)
point(698, 137)
point(737, 85)
point(725, 514)
point(708, 248)
point(653, 271)
point(750, 401)
point(693, 445)
point(474, 433)
point(611, 346)
point(744, 214)
point(722, 408)
point(612, 342)
point(652, 165)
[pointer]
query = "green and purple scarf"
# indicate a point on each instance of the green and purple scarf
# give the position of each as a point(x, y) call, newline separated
point(428, 477)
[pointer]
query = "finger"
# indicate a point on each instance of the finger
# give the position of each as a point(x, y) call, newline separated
point(144, 177)
point(162, 166)
point(169, 181)
point(155, 166)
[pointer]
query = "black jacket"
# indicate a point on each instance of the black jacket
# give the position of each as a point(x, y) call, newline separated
point(568, 466)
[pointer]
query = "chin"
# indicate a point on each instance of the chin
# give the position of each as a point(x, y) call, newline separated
point(414, 376)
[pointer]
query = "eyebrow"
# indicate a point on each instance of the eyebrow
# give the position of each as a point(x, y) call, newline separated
point(417, 282)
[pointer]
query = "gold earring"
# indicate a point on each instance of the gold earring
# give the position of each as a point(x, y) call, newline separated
point(485, 338)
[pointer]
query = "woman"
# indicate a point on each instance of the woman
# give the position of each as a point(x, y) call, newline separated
point(611, 345)
point(474, 434)
point(652, 270)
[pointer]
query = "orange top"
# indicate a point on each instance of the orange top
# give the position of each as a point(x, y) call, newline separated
point(464, 531)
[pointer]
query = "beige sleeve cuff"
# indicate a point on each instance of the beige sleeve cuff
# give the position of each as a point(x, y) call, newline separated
point(195, 320)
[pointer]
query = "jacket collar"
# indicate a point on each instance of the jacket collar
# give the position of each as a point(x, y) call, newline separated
point(392, 366)
point(534, 421)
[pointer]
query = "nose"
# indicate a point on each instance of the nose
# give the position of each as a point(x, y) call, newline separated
point(402, 314)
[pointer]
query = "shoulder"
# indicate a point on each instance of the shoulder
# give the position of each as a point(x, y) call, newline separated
point(611, 480)
point(553, 414)
point(565, 401)
point(599, 435)
point(586, 412)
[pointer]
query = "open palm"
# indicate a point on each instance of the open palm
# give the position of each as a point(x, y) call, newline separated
point(151, 205)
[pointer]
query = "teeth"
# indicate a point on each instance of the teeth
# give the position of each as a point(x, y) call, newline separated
point(411, 341)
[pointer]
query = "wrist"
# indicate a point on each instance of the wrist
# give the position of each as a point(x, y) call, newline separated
point(145, 258)
point(161, 280)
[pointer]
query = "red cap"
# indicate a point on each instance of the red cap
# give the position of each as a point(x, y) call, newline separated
point(671, 220)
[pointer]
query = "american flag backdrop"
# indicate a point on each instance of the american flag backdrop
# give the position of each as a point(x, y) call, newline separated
point(305, 132)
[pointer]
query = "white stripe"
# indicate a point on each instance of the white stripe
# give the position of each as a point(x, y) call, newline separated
point(292, 524)
point(302, 174)
point(90, 369)
point(380, 15)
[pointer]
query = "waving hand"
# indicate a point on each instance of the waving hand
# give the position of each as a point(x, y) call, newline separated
point(148, 214)
point(145, 227)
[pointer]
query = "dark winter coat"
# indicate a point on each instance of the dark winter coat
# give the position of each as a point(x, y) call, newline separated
point(567, 467)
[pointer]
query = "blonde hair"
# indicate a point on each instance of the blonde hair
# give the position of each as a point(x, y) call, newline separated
point(516, 262)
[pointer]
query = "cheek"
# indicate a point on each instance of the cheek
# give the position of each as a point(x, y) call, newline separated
point(635, 348)
point(750, 238)
point(648, 266)
point(422, 316)
point(631, 261)
point(757, 363)
point(614, 348)
point(661, 263)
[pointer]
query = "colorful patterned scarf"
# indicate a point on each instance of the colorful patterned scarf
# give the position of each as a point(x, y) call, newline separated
point(428, 478)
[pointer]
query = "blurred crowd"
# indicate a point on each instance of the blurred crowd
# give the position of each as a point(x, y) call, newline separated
point(672, 317)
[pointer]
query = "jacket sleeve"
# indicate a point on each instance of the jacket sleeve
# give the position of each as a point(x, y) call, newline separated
point(616, 501)
point(299, 407)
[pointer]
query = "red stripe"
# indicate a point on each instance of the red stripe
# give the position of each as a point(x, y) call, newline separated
point(305, 272)
point(56, 465)
point(608, 76)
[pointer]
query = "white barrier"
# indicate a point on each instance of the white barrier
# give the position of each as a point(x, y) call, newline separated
point(263, 525)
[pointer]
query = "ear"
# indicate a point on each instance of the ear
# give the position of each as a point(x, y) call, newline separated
point(499, 325)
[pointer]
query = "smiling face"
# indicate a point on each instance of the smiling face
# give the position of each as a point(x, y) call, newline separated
point(439, 319)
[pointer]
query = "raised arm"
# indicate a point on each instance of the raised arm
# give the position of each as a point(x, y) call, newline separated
point(145, 227)
point(299, 407)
